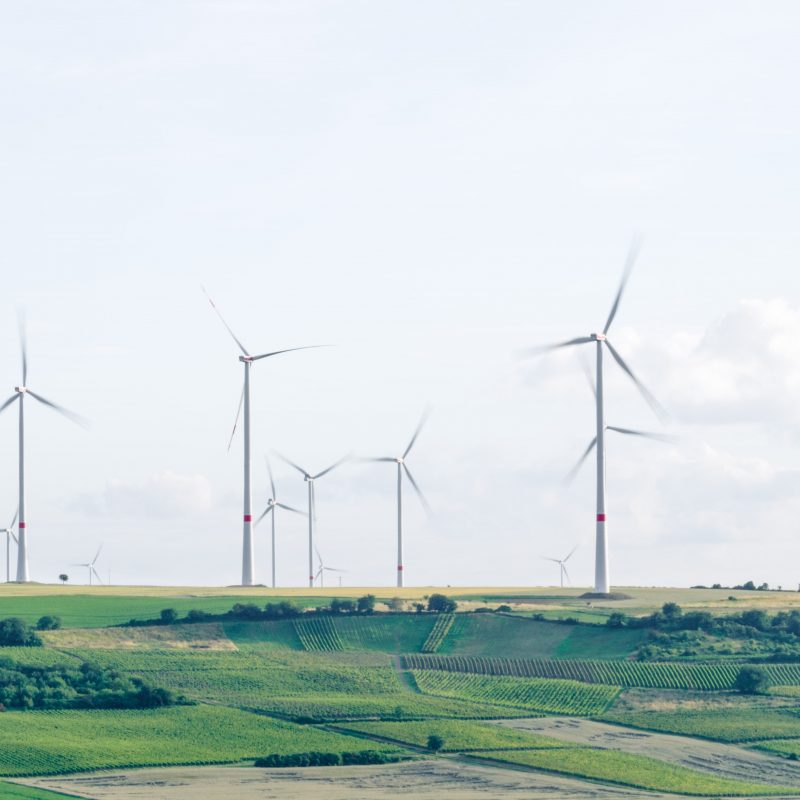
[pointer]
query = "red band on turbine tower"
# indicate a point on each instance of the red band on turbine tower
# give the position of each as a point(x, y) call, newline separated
point(399, 567)
point(22, 525)
point(248, 517)
point(601, 517)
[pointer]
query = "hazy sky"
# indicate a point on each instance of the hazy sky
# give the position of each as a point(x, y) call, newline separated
point(429, 186)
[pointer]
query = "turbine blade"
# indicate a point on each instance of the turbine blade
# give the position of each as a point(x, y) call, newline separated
point(539, 350)
point(236, 421)
point(564, 560)
point(97, 555)
point(70, 415)
point(290, 350)
point(9, 402)
point(554, 560)
point(423, 420)
point(568, 478)
point(587, 371)
point(650, 399)
point(292, 464)
point(99, 579)
point(374, 460)
point(23, 346)
point(658, 437)
point(16, 541)
point(14, 521)
point(332, 466)
point(271, 478)
point(421, 496)
point(289, 508)
point(230, 331)
point(566, 574)
point(636, 245)
point(333, 569)
point(265, 512)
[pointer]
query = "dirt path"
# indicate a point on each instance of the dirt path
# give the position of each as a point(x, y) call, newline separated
point(439, 779)
point(725, 760)
point(403, 676)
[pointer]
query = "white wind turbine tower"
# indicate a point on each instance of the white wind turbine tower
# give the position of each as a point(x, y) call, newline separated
point(323, 569)
point(602, 580)
point(312, 507)
point(9, 532)
point(90, 566)
point(20, 392)
point(403, 467)
point(247, 360)
point(562, 569)
point(270, 509)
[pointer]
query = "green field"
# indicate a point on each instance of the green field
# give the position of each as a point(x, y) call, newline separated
point(458, 735)
point(335, 683)
point(42, 742)
point(537, 695)
point(725, 724)
point(640, 772)
point(13, 791)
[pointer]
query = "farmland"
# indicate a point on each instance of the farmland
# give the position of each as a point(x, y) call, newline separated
point(485, 684)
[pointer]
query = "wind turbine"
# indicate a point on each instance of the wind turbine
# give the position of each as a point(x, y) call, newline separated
point(323, 569)
point(270, 509)
point(312, 507)
point(403, 467)
point(9, 532)
point(20, 392)
point(601, 579)
point(247, 359)
point(90, 566)
point(561, 564)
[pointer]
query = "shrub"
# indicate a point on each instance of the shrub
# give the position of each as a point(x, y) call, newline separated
point(751, 680)
point(14, 632)
point(435, 743)
point(504, 607)
point(616, 620)
point(169, 616)
point(441, 604)
point(315, 759)
point(366, 604)
point(48, 623)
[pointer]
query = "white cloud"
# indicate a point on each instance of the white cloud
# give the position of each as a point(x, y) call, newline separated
point(164, 495)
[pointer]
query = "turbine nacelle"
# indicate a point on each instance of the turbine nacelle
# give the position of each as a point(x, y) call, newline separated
point(598, 337)
point(21, 389)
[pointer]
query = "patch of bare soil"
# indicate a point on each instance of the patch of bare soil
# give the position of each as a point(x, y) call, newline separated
point(202, 636)
point(440, 779)
point(669, 700)
point(724, 760)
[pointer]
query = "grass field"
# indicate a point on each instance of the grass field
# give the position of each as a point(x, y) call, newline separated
point(296, 685)
point(724, 724)
point(537, 695)
point(640, 772)
point(13, 791)
point(458, 735)
point(36, 743)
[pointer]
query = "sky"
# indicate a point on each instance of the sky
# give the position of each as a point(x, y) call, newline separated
point(429, 187)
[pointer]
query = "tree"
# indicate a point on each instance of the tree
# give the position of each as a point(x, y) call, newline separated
point(366, 604)
point(435, 743)
point(48, 623)
point(441, 604)
point(751, 680)
point(616, 620)
point(63, 577)
point(396, 604)
point(169, 616)
point(671, 611)
point(15, 633)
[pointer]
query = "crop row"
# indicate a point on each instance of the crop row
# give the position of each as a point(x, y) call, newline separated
point(318, 634)
point(654, 675)
point(534, 694)
point(438, 633)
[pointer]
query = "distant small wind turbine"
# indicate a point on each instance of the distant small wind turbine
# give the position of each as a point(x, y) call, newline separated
point(312, 507)
point(20, 392)
point(272, 504)
point(323, 569)
point(403, 467)
point(90, 566)
point(9, 532)
point(248, 569)
point(561, 564)
point(602, 580)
